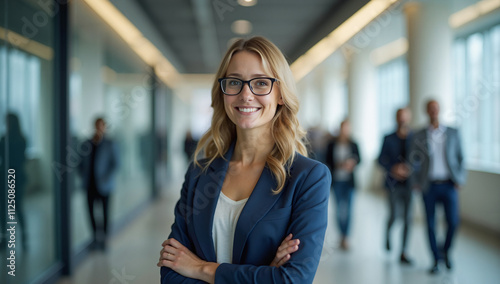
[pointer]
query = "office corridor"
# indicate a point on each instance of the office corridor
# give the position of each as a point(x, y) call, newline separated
point(132, 254)
point(143, 80)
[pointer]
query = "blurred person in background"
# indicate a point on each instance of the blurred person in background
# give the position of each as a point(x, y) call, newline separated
point(15, 143)
point(265, 204)
point(342, 156)
point(317, 139)
point(189, 145)
point(394, 159)
point(438, 171)
point(98, 170)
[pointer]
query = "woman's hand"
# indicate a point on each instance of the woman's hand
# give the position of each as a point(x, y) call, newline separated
point(181, 260)
point(287, 247)
point(349, 164)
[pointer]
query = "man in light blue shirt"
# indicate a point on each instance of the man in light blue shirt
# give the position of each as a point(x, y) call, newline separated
point(438, 171)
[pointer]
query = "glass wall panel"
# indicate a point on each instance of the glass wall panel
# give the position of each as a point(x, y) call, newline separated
point(162, 120)
point(26, 141)
point(477, 97)
point(393, 93)
point(108, 80)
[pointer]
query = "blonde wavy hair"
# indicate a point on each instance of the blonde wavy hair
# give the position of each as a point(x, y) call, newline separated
point(288, 135)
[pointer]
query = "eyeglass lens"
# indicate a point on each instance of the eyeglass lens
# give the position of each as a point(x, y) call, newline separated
point(259, 86)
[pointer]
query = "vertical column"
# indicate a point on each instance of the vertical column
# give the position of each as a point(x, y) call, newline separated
point(429, 57)
point(319, 92)
point(362, 101)
point(307, 93)
point(61, 119)
point(155, 135)
point(333, 103)
point(90, 53)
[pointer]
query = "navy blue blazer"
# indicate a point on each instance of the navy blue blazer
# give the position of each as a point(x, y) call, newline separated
point(105, 168)
point(391, 155)
point(300, 208)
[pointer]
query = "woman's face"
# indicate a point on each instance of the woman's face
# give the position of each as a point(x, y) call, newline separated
point(246, 110)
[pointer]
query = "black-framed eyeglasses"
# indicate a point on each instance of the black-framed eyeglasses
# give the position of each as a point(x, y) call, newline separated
point(258, 86)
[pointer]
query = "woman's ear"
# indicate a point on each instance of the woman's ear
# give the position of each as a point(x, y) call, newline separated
point(280, 101)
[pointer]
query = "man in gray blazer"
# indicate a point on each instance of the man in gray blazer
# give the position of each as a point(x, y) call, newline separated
point(438, 171)
point(98, 170)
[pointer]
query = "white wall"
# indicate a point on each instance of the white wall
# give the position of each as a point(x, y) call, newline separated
point(187, 99)
point(480, 199)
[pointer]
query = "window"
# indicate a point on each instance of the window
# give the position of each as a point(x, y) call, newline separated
point(477, 97)
point(392, 88)
point(24, 98)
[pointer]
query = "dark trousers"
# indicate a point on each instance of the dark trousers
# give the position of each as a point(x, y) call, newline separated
point(446, 194)
point(400, 196)
point(93, 195)
point(343, 192)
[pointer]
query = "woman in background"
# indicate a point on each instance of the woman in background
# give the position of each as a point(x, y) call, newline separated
point(342, 156)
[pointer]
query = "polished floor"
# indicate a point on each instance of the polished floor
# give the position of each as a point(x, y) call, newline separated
point(132, 254)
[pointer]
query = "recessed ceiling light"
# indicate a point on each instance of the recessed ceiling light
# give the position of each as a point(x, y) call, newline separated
point(241, 27)
point(247, 3)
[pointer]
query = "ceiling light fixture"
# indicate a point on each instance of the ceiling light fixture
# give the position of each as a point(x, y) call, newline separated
point(389, 51)
point(247, 3)
point(146, 50)
point(473, 12)
point(241, 27)
point(31, 46)
point(329, 44)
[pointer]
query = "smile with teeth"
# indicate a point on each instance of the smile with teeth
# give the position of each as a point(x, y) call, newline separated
point(248, 109)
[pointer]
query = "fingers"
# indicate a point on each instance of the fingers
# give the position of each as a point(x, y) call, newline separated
point(168, 251)
point(176, 244)
point(289, 237)
point(172, 242)
point(165, 258)
point(283, 260)
point(288, 248)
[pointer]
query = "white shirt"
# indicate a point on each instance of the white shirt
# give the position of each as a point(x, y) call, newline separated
point(226, 217)
point(341, 153)
point(438, 168)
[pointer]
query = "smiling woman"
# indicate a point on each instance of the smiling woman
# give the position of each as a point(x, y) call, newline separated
point(255, 197)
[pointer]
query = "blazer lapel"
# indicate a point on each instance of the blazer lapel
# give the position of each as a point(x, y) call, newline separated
point(206, 196)
point(425, 143)
point(448, 145)
point(259, 203)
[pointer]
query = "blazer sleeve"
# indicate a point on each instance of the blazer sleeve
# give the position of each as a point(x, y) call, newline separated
point(415, 158)
point(329, 156)
point(114, 160)
point(308, 224)
point(357, 157)
point(81, 163)
point(460, 159)
point(384, 158)
point(179, 232)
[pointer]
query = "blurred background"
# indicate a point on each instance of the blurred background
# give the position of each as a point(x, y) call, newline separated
point(147, 67)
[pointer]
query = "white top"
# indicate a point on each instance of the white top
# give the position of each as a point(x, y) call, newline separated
point(341, 153)
point(226, 217)
point(438, 169)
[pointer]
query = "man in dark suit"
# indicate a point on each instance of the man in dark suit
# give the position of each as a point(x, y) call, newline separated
point(394, 159)
point(98, 171)
point(438, 171)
